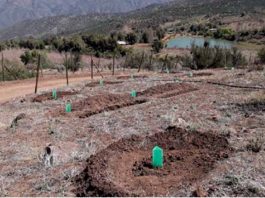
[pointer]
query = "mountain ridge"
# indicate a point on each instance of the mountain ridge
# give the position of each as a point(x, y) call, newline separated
point(14, 11)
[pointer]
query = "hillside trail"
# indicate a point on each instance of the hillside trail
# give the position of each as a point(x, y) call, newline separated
point(12, 89)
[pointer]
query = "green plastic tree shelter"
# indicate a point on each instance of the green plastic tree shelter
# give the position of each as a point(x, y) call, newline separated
point(101, 82)
point(68, 107)
point(134, 93)
point(157, 157)
point(54, 94)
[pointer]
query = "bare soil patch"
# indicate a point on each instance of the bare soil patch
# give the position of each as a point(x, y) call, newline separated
point(97, 104)
point(124, 168)
point(201, 74)
point(167, 90)
point(48, 96)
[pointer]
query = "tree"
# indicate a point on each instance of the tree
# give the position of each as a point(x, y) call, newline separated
point(75, 44)
point(131, 38)
point(157, 46)
point(29, 57)
point(74, 62)
point(160, 33)
point(145, 38)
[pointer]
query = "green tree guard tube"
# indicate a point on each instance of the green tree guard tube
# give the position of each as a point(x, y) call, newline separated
point(157, 157)
point(134, 94)
point(68, 107)
point(54, 94)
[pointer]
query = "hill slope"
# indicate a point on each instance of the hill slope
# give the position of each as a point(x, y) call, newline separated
point(151, 16)
point(13, 11)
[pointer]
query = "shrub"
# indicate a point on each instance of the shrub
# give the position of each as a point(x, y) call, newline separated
point(74, 62)
point(29, 57)
point(207, 57)
point(32, 44)
point(75, 44)
point(16, 71)
point(256, 144)
point(131, 38)
point(261, 55)
point(160, 33)
point(145, 38)
point(157, 46)
point(99, 43)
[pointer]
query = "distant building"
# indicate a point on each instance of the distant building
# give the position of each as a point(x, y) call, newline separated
point(213, 30)
point(122, 42)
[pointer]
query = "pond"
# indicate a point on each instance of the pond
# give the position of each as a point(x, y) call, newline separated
point(186, 42)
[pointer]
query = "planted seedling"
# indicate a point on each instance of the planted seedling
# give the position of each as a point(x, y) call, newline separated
point(54, 94)
point(157, 157)
point(134, 94)
point(68, 107)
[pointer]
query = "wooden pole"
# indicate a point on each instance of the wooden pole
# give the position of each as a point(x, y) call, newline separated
point(92, 71)
point(151, 59)
point(126, 59)
point(113, 64)
point(41, 70)
point(66, 68)
point(3, 69)
point(164, 64)
point(140, 65)
point(37, 76)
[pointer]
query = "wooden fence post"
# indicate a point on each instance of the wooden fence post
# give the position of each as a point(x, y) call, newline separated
point(92, 68)
point(113, 64)
point(37, 76)
point(126, 59)
point(66, 68)
point(3, 69)
point(151, 59)
point(140, 65)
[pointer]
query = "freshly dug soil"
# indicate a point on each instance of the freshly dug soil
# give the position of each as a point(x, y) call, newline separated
point(202, 74)
point(124, 168)
point(97, 104)
point(48, 96)
point(167, 90)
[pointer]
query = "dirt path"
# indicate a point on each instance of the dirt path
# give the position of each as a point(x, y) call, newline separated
point(13, 89)
point(10, 90)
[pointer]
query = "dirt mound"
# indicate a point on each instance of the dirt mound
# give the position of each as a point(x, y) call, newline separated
point(167, 90)
point(95, 84)
point(97, 104)
point(48, 96)
point(124, 168)
point(135, 77)
point(201, 74)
